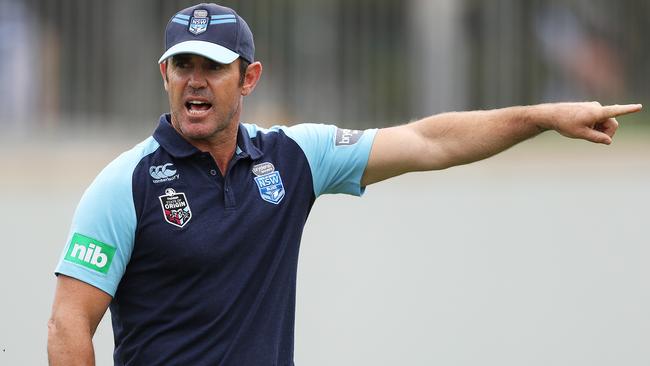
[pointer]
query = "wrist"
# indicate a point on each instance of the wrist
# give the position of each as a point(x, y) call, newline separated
point(540, 117)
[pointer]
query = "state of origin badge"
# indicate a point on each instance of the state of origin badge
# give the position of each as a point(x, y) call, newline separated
point(176, 209)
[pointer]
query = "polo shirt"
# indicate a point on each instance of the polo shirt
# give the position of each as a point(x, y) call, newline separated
point(202, 266)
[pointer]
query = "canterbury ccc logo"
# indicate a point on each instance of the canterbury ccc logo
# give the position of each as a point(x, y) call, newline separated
point(162, 171)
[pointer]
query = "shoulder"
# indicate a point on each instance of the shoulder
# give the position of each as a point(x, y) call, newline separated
point(302, 134)
point(337, 157)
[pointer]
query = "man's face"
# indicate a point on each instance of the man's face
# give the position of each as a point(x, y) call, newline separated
point(204, 96)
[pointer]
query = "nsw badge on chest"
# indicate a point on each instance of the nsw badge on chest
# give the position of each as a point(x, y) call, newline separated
point(269, 183)
point(176, 209)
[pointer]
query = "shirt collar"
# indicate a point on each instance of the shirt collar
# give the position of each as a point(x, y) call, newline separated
point(178, 147)
point(245, 144)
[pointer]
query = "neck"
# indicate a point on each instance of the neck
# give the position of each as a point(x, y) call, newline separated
point(221, 144)
point(221, 147)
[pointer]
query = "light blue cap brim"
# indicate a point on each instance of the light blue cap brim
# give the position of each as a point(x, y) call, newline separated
point(209, 50)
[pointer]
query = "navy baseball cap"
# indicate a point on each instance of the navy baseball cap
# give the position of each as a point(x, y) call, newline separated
point(209, 30)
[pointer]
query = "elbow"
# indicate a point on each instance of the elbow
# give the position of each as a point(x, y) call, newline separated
point(51, 327)
point(65, 346)
point(53, 331)
point(57, 332)
point(53, 338)
point(437, 157)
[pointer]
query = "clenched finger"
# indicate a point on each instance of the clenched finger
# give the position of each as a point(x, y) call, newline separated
point(595, 136)
point(608, 127)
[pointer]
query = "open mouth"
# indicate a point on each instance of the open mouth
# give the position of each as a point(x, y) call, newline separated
point(197, 106)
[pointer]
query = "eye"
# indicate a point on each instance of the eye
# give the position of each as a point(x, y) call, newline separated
point(181, 62)
point(215, 65)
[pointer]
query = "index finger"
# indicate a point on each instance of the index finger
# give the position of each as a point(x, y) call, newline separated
point(621, 109)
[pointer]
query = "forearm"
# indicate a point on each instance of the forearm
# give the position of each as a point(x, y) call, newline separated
point(463, 137)
point(69, 344)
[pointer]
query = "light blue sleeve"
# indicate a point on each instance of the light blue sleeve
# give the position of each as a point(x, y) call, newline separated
point(337, 157)
point(105, 218)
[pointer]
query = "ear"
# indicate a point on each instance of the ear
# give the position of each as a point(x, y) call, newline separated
point(163, 72)
point(253, 74)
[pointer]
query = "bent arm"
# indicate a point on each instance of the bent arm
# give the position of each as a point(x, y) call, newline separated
point(78, 307)
point(457, 138)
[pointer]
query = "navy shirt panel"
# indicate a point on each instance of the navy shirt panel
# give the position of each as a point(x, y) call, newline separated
point(232, 263)
point(202, 266)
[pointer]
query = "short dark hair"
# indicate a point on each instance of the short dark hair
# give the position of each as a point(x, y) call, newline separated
point(243, 66)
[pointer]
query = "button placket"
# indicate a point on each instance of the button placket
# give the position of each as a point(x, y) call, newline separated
point(229, 195)
point(228, 191)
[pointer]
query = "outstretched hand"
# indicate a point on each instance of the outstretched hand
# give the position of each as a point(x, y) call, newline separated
point(590, 121)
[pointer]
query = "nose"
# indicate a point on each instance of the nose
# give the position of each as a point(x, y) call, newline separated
point(197, 79)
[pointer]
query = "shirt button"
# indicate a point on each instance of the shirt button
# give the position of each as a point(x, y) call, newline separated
point(213, 172)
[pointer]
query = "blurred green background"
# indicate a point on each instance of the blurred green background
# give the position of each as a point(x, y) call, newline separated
point(92, 64)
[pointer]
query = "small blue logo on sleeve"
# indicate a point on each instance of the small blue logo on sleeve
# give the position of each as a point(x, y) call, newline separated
point(271, 187)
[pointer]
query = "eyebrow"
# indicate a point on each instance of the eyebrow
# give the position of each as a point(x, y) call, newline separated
point(180, 58)
point(214, 63)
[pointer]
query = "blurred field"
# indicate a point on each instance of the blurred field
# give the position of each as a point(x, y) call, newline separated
point(538, 256)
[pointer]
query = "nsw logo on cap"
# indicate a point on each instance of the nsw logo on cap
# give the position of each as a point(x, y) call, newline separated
point(199, 21)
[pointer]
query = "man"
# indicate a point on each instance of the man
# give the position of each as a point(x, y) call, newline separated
point(192, 236)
